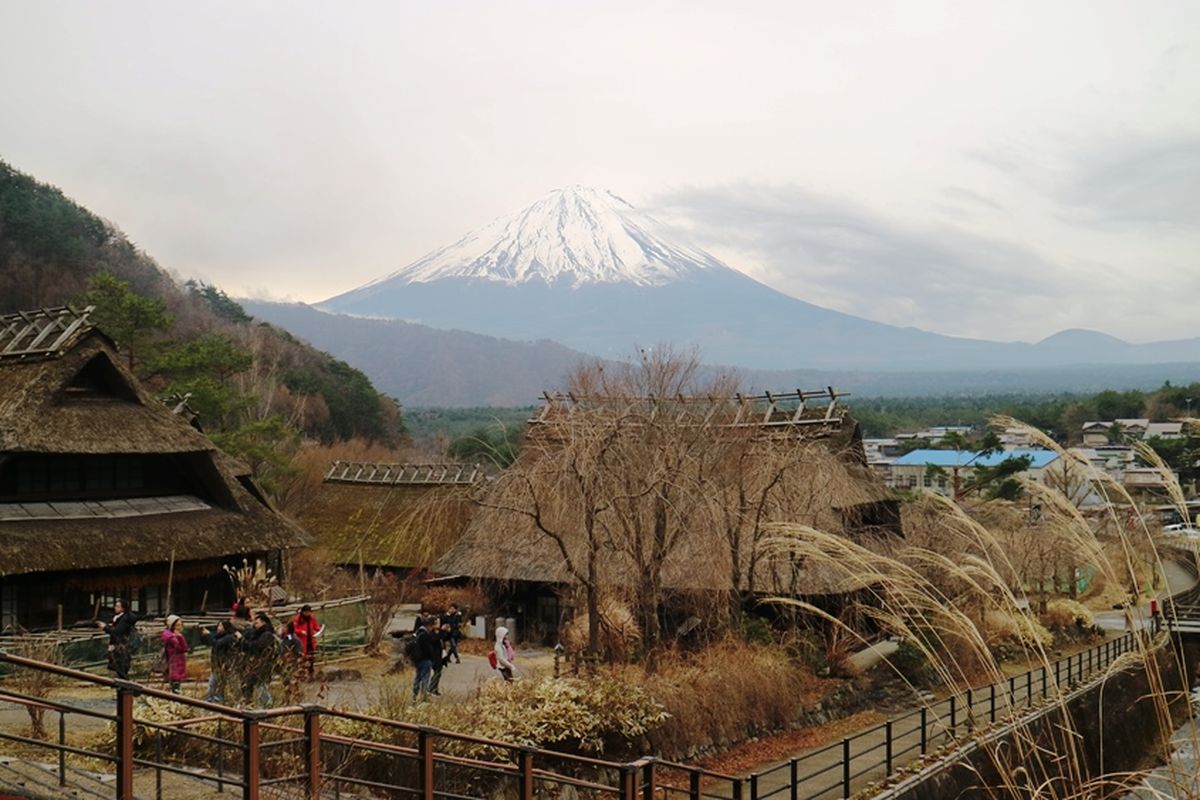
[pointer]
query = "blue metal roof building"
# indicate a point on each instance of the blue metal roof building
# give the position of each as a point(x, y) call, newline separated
point(953, 458)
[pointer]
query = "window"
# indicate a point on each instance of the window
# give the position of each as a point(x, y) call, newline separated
point(928, 481)
point(48, 477)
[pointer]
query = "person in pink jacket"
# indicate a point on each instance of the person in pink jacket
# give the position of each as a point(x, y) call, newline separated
point(175, 647)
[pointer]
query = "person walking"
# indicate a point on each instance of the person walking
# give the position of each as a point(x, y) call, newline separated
point(441, 639)
point(504, 655)
point(221, 641)
point(175, 647)
point(424, 655)
point(454, 618)
point(307, 630)
point(120, 634)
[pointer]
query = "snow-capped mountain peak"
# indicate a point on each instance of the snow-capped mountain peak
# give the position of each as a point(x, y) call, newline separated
point(575, 235)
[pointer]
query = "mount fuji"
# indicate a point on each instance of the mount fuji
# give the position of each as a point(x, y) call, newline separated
point(585, 268)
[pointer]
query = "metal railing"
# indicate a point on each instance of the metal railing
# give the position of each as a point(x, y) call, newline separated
point(318, 752)
point(309, 747)
point(840, 768)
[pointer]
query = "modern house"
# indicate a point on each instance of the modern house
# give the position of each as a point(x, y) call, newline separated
point(937, 470)
point(105, 492)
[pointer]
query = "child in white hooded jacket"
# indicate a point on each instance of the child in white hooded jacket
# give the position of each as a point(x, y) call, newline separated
point(504, 654)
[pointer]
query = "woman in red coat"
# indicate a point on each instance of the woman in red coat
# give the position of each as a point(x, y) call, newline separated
point(307, 631)
point(175, 647)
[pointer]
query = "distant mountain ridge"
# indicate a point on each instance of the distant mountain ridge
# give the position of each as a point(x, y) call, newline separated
point(585, 268)
point(423, 366)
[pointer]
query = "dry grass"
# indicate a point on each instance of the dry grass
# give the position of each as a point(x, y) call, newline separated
point(725, 694)
point(954, 590)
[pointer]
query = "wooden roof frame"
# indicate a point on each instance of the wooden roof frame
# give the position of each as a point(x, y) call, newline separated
point(41, 333)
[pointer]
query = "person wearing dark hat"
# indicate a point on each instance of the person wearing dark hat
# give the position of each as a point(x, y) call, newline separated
point(307, 631)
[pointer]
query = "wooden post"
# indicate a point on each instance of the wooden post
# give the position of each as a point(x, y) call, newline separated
point(204, 602)
point(525, 768)
point(251, 758)
point(629, 782)
point(425, 763)
point(170, 580)
point(312, 750)
point(124, 743)
point(648, 780)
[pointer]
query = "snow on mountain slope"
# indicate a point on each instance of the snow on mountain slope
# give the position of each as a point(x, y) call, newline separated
point(577, 234)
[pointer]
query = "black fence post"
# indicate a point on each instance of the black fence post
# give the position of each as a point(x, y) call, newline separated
point(970, 709)
point(753, 786)
point(887, 750)
point(953, 722)
point(1029, 688)
point(924, 735)
point(694, 784)
point(647, 780)
point(794, 775)
point(62, 754)
point(1057, 674)
point(846, 767)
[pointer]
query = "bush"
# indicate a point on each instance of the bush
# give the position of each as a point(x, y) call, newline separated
point(1064, 615)
point(912, 664)
point(726, 693)
point(470, 599)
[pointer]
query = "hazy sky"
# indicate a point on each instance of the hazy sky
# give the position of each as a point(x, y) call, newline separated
point(998, 169)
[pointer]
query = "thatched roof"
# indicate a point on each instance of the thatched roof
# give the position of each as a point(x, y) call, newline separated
point(86, 401)
point(830, 491)
point(73, 397)
point(387, 524)
point(43, 545)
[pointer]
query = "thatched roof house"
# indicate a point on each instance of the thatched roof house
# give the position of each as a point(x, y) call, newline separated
point(104, 491)
point(396, 516)
point(787, 464)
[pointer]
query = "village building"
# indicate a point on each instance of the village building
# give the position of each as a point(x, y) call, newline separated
point(829, 486)
point(940, 470)
point(398, 517)
point(105, 492)
point(1097, 433)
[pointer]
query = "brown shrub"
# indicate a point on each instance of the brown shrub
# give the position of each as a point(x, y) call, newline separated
point(726, 693)
point(470, 599)
point(1064, 615)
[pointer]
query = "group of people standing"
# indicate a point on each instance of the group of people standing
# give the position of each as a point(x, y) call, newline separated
point(433, 644)
point(246, 650)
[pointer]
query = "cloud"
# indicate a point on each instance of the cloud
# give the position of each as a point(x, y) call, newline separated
point(843, 255)
point(1144, 182)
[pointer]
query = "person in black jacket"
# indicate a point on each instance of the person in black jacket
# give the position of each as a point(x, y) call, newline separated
point(222, 641)
point(429, 646)
point(120, 633)
point(259, 648)
point(454, 618)
point(441, 638)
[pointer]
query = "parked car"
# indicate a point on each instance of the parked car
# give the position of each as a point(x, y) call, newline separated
point(1182, 530)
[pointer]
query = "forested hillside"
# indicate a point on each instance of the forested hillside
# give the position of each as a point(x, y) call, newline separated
point(258, 391)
